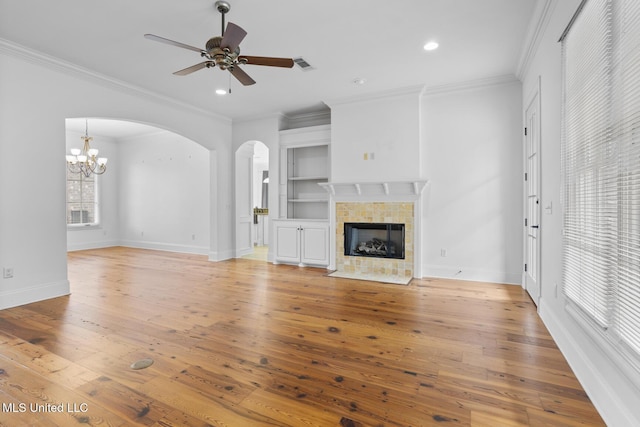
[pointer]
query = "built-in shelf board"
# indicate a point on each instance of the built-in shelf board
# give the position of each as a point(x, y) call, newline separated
point(308, 178)
point(381, 189)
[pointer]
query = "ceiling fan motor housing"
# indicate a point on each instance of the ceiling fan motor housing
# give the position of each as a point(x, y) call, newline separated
point(212, 44)
point(222, 57)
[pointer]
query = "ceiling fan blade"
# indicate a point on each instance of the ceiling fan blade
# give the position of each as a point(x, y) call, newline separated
point(242, 77)
point(171, 42)
point(194, 68)
point(232, 37)
point(266, 60)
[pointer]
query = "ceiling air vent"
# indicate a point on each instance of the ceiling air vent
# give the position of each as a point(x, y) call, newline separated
point(302, 63)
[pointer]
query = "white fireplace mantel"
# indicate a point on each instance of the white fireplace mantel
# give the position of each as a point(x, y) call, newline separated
point(375, 190)
point(408, 191)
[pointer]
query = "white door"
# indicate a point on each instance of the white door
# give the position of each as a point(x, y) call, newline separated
point(244, 197)
point(532, 195)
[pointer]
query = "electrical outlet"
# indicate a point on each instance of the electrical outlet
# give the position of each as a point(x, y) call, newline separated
point(7, 272)
point(443, 253)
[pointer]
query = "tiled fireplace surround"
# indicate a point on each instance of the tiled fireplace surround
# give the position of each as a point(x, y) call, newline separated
point(371, 212)
point(381, 202)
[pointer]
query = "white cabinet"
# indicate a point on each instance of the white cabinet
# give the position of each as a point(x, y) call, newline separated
point(304, 163)
point(302, 242)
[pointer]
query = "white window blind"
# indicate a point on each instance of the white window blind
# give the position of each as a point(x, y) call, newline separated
point(601, 167)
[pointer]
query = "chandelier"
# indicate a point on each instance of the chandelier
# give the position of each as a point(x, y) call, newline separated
point(86, 161)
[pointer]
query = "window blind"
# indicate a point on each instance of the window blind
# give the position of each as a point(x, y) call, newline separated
point(589, 223)
point(626, 133)
point(601, 166)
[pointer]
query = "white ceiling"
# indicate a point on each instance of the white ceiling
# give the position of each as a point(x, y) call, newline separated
point(376, 40)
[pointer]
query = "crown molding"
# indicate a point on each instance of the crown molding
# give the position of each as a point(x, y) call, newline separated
point(471, 85)
point(27, 54)
point(258, 117)
point(394, 93)
point(537, 26)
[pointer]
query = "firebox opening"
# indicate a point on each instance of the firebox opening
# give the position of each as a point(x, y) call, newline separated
point(378, 240)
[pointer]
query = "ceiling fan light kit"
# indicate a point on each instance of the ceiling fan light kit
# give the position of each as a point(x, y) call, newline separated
point(224, 51)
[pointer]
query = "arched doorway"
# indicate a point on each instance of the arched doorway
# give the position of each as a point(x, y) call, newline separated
point(140, 201)
point(252, 195)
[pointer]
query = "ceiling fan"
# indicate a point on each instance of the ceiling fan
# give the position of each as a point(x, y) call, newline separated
point(224, 51)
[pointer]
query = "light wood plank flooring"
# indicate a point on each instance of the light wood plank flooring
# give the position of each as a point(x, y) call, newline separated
point(247, 343)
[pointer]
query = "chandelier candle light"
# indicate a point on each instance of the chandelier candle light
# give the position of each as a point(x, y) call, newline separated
point(86, 161)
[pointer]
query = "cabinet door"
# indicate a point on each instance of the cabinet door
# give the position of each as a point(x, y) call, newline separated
point(315, 244)
point(287, 243)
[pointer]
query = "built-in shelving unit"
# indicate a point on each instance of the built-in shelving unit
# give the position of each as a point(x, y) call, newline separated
point(304, 165)
point(301, 234)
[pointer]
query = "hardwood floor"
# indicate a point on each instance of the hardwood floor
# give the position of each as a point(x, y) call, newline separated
point(247, 343)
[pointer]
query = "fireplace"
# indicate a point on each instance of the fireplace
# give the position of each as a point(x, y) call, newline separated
point(377, 240)
point(367, 216)
point(396, 205)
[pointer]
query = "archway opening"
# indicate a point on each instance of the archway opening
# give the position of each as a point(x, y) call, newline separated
point(252, 200)
point(155, 193)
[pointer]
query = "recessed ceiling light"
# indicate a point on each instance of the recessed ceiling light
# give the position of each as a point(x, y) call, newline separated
point(221, 91)
point(431, 46)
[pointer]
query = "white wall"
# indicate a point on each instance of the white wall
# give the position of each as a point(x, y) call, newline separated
point(468, 144)
point(388, 127)
point(32, 213)
point(164, 193)
point(38, 93)
point(612, 385)
point(473, 204)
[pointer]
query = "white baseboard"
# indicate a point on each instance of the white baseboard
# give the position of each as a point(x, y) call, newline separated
point(27, 295)
point(610, 390)
point(91, 245)
point(169, 247)
point(158, 246)
point(242, 252)
point(469, 274)
point(221, 255)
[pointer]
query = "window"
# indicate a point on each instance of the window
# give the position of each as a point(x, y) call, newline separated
point(82, 200)
point(601, 169)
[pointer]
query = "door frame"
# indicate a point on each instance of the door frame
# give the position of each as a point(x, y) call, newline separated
point(243, 199)
point(533, 100)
